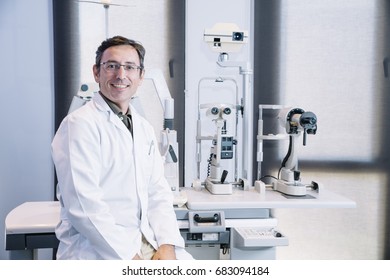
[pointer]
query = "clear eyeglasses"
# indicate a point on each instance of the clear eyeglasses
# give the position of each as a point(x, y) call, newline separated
point(113, 67)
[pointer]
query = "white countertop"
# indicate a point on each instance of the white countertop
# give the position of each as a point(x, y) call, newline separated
point(203, 200)
point(43, 216)
point(33, 217)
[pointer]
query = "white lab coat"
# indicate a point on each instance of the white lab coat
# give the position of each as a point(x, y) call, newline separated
point(106, 180)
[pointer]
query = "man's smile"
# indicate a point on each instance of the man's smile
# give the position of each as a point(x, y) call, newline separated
point(120, 86)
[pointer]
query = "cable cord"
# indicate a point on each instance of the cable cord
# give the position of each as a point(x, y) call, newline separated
point(286, 157)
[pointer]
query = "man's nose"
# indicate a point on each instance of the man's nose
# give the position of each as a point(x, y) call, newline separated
point(121, 73)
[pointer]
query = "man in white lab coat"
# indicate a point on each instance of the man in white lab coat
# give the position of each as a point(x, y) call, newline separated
point(115, 201)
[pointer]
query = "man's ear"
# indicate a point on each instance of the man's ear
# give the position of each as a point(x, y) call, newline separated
point(96, 73)
point(142, 77)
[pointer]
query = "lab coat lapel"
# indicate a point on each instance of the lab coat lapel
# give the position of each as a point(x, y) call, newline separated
point(103, 106)
point(138, 142)
point(139, 158)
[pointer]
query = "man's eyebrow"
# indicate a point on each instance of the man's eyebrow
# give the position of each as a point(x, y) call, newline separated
point(113, 60)
point(127, 62)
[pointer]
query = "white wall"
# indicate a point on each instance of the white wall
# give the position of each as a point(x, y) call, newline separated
point(26, 94)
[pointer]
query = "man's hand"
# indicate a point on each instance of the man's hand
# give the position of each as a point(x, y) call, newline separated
point(165, 252)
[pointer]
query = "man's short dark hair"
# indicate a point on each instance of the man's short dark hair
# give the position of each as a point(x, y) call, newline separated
point(119, 41)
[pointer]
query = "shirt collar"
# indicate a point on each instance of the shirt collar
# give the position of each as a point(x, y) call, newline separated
point(113, 106)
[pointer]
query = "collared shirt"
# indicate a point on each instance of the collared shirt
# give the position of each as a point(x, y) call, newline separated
point(125, 118)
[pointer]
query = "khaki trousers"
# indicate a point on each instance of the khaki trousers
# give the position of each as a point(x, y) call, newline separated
point(147, 251)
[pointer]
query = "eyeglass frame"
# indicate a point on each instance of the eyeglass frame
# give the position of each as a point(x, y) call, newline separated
point(132, 66)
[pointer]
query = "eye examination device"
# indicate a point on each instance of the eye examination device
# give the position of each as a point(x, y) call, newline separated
point(296, 122)
point(225, 37)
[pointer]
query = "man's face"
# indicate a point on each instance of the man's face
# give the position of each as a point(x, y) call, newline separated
point(119, 85)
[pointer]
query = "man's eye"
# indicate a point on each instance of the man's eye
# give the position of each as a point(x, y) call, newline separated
point(129, 67)
point(111, 66)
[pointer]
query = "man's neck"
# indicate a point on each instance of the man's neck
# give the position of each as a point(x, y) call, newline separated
point(116, 108)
